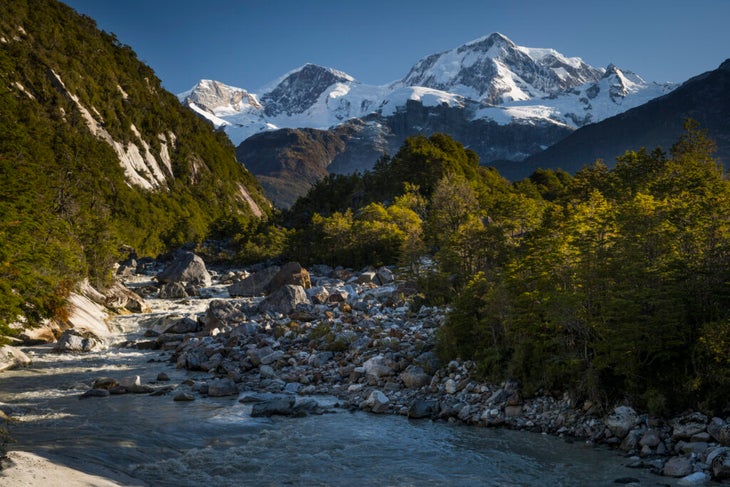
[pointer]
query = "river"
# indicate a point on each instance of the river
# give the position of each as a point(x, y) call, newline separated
point(215, 442)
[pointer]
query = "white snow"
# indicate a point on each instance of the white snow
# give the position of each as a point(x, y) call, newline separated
point(242, 114)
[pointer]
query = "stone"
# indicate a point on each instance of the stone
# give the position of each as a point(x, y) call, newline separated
point(221, 313)
point(278, 405)
point(384, 276)
point(284, 300)
point(677, 467)
point(450, 386)
point(105, 383)
point(188, 268)
point(414, 377)
point(318, 294)
point(162, 377)
point(74, 340)
point(621, 421)
point(696, 478)
point(183, 397)
point(183, 325)
point(254, 285)
point(377, 402)
point(423, 408)
point(12, 358)
point(134, 385)
point(650, 438)
point(291, 273)
point(366, 277)
point(172, 290)
point(714, 426)
point(690, 424)
point(376, 367)
point(95, 393)
point(120, 297)
point(222, 387)
point(720, 464)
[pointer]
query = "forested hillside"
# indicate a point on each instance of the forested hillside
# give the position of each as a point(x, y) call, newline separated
point(611, 285)
point(96, 157)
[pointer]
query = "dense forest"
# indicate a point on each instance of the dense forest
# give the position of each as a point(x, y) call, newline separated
point(67, 208)
point(609, 284)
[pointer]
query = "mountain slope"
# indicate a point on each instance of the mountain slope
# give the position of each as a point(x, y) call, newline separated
point(658, 123)
point(502, 100)
point(491, 78)
point(94, 157)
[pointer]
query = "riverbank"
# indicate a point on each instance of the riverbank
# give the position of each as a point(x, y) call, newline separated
point(25, 469)
point(357, 337)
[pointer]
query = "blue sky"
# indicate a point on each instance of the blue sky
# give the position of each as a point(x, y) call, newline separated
point(248, 43)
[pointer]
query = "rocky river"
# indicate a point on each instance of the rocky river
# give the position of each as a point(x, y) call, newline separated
point(279, 375)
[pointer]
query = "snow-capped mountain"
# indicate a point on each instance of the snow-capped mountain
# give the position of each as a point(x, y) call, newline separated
point(492, 78)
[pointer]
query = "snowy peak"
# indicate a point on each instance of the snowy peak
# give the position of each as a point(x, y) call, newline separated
point(489, 78)
point(495, 70)
point(217, 98)
point(301, 88)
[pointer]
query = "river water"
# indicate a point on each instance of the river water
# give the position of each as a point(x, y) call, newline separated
point(214, 441)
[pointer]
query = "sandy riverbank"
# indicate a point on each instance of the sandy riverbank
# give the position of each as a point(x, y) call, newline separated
point(32, 470)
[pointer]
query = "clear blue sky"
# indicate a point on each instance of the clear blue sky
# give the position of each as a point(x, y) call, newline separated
point(248, 43)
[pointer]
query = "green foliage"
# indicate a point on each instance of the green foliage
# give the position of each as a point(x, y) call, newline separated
point(614, 288)
point(67, 205)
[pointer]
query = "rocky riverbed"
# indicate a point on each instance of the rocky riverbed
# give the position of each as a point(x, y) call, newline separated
point(278, 336)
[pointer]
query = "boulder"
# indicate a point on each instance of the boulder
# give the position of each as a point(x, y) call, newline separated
point(78, 340)
point(384, 276)
point(684, 427)
point(254, 285)
point(719, 461)
point(172, 290)
point(423, 408)
point(12, 358)
point(318, 294)
point(415, 377)
point(377, 402)
point(376, 367)
point(278, 405)
point(134, 385)
point(720, 431)
point(284, 300)
point(622, 420)
point(222, 387)
point(186, 267)
point(291, 273)
point(677, 467)
point(222, 313)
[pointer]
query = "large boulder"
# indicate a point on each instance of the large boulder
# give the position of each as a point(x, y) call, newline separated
point(282, 405)
point(77, 340)
point(254, 285)
point(188, 268)
point(284, 300)
point(291, 273)
point(622, 420)
point(11, 358)
point(222, 313)
point(414, 377)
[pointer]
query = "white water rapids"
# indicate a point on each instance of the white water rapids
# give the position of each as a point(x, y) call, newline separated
point(214, 441)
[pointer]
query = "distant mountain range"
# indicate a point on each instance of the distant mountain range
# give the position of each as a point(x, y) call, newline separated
point(658, 123)
point(504, 101)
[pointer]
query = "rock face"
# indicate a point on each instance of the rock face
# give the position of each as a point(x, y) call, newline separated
point(188, 268)
point(11, 358)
